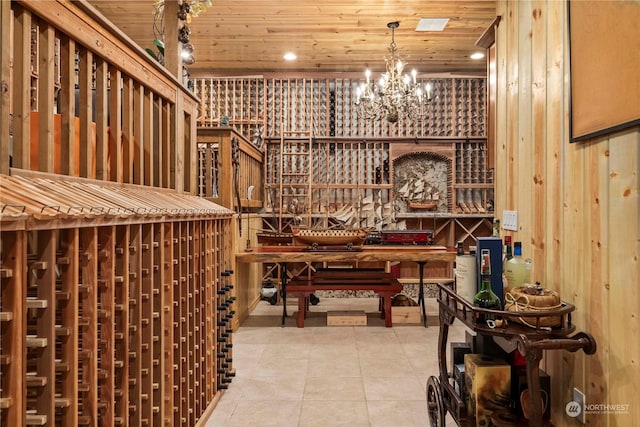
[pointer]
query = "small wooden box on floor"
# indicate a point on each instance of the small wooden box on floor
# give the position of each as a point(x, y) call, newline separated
point(347, 318)
point(488, 383)
point(406, 315)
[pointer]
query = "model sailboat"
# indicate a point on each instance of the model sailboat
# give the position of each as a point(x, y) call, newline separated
point(353, 224)
point(418, 194)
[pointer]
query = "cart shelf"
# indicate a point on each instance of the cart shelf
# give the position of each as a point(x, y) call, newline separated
point(531, 342)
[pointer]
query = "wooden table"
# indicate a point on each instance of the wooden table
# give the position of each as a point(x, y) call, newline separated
point(297, 254)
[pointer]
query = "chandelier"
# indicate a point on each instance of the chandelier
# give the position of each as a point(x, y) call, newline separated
point(395, 93)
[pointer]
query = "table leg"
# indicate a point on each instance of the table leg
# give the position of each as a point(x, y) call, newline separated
point(421, 301)
point(283, 290)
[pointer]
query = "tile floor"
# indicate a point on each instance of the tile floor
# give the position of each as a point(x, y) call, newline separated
point(323, 376)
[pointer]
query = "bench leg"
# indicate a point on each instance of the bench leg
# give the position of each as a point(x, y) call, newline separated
point(386, 303)
point(302, 310)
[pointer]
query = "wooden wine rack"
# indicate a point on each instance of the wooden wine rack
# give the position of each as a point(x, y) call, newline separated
point(298, 118)
point(312, 176)
point(273, 105)
point(113, 314)
point(108, 283)
point(238, 99)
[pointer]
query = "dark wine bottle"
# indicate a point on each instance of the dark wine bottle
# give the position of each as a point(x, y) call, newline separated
point(486, 298)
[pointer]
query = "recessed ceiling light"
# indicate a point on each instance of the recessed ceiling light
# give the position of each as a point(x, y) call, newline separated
point(477, 55)
point(290, 56)
point(432, 24)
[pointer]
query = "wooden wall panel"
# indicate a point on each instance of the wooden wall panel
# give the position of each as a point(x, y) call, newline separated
point(248, 276)
point(621, 259)
point(599, 244)
point(578, 208)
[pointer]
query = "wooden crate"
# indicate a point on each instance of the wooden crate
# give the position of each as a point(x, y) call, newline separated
point(406, 315)
point(347, 318)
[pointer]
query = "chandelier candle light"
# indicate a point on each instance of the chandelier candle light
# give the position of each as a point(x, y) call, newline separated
point(395, 92)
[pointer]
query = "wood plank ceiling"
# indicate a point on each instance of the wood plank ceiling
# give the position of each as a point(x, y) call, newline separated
point(250, 37)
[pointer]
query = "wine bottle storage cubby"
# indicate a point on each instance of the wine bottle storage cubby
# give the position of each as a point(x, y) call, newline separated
point(315, 179)
point(112, 320)
point(473, 182)
point(271, 106)
point(240, 100)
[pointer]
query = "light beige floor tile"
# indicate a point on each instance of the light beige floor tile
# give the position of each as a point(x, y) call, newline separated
point(416, 334)
point(388, 413)
point(338, 367)
point(329, 376)
point(252, 335)
point(266, 413)
point(373, 366)
point(292, 335)
point(234, 392)
point(419, 349)
point(283, 387)
point(287, 351)
point(378, 333)
point(393, 388)
point(246, 356)
point(334, 351)
point(324, 413)
point(245, 349)
point(247, 367)
point(381, 350)
point(334, 388)
point(275, 367)
point(334, 336)
point(221, 416)
point(422, 357)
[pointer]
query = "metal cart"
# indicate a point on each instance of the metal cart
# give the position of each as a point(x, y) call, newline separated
point(531, 342)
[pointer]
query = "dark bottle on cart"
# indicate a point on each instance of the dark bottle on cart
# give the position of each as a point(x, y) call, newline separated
point(486, 298)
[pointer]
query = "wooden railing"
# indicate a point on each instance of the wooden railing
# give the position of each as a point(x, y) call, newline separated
point(86, 101)
point(226, 161)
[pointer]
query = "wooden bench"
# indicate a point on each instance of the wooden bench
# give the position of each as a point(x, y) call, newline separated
point(338, 279)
